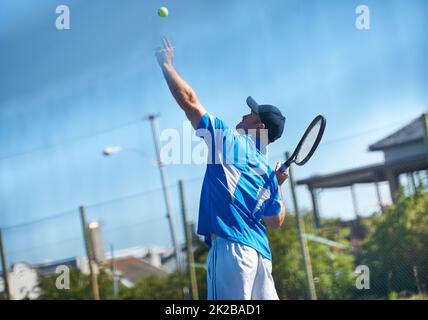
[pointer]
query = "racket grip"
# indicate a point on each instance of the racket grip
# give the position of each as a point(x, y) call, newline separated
point(285, 165)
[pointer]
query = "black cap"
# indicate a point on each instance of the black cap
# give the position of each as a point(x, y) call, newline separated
point(271, 116)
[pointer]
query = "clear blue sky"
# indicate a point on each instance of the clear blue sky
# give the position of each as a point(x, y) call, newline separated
point(61, 93)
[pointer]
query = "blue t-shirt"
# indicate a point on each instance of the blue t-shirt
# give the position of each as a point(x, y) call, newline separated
point(239, 187)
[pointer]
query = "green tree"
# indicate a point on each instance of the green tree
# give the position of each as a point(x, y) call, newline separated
point(158, 288)
point(333, 271)
point(397, 247)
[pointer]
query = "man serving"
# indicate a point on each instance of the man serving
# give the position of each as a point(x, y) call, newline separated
point(239, 190)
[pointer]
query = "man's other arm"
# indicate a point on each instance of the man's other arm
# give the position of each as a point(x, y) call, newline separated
point(276, 221)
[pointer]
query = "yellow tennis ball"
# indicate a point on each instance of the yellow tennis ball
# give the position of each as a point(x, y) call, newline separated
point(163, 12)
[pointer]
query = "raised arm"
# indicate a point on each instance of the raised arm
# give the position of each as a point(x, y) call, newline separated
point(180, 89)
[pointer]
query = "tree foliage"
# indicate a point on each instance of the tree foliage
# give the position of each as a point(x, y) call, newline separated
point(396, 251)
point(80, 287)
point(332, 269)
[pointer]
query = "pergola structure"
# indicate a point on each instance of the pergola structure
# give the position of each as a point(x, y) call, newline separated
point(405, 152)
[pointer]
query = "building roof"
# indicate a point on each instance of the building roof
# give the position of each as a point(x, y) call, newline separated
point(344, 178)
point(48, 268)
point(366, 174)
point(134, 269)
point(414, 131)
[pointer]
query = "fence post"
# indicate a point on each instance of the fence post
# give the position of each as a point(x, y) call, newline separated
point(190, 258)
point(303, 244)
point(4, 268)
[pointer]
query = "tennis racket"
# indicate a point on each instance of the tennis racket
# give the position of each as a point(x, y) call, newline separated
point(308, 144)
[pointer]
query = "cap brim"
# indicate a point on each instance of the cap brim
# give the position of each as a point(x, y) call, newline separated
point(253, 104)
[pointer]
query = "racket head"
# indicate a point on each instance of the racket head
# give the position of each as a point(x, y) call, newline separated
point(310, 141)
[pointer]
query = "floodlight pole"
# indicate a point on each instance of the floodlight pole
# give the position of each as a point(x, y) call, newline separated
point(89, 246)
point(303, 243)
point(155, 130)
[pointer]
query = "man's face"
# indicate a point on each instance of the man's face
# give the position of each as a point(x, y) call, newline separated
point(250, 121)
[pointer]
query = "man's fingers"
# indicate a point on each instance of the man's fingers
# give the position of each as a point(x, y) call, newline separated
point(165, 42)
point(160, 52)
point(169, 43)
point(278, 165)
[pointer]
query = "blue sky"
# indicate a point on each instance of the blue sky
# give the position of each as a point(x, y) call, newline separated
point(63, 92)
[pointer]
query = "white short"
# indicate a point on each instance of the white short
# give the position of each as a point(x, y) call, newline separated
point(238, 272)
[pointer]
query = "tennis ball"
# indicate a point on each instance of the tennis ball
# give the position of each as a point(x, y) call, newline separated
point(163, 12)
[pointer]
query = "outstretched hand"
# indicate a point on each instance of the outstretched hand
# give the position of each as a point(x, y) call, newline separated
point(165, 54)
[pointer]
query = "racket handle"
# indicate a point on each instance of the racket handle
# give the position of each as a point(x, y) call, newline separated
point(285, 165)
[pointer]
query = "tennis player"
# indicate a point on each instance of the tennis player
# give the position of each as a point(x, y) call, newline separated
point(239, 190)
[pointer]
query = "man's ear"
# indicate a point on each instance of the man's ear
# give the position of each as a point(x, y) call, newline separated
point(261, 126)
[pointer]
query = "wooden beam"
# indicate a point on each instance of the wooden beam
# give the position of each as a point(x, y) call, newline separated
point(394, 185)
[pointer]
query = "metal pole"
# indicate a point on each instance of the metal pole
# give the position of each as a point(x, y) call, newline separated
point(190, 258)
point(418, 283)
point(412, 181)
point(89, 253)
point(394, 184)
point(378, 194)
point(303, 244)
point(4, 269)
point(155, 131)
point(419, 178)
point(354, 202)
point(113, 272)
point(315, 207)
